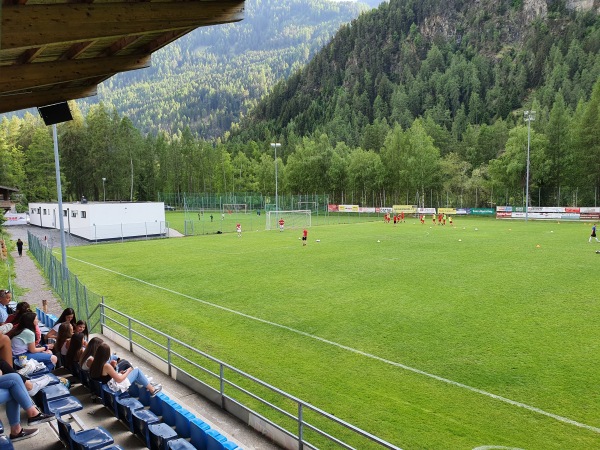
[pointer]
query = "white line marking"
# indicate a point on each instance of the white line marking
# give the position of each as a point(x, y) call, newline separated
point(359, 352)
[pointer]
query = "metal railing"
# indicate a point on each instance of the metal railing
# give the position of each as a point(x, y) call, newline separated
point(288, 420)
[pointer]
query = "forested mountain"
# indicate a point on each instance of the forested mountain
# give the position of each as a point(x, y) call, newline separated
point(206, 79)
point(414, 101)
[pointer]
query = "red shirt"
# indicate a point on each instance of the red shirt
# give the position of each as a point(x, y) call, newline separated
point(305, 233)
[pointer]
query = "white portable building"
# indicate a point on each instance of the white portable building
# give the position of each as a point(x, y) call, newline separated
point(96, 221)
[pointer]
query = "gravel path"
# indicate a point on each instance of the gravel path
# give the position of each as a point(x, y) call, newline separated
point(27, 273)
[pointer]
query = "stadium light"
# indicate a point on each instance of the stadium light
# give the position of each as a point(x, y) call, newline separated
point(275, 145)
point(529, 116)
point(103, 187)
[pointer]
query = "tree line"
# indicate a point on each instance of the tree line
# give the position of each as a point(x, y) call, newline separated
point(394, 164)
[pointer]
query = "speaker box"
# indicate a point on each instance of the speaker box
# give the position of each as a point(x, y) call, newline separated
point(57, 113)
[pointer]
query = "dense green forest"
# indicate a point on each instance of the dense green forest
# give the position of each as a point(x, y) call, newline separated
point(415, 101)
point(210, 77)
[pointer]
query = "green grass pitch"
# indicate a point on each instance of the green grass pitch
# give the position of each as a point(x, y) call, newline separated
point(482, 334)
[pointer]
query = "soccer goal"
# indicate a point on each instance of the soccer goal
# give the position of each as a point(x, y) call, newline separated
point(235, 207)
point(293, 219)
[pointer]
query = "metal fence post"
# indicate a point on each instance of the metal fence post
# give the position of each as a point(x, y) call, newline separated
point(130, 334)
point(169, 355)
point(222, 384)
point(300, 427)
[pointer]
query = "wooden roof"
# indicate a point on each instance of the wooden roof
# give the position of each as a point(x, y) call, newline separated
point(57, 50)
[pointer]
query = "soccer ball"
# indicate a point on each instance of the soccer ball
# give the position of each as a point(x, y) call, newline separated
point(318, 240)
point(378, 241)
point(460, 240)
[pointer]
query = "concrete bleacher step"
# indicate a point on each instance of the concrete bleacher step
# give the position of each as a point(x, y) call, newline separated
point(191, 427)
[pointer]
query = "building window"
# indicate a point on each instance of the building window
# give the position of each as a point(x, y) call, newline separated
point(73, 213)
point(65, 213)
point(45, 213)
point(83, 214)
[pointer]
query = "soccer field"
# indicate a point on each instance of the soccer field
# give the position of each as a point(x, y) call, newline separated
point(431, 337)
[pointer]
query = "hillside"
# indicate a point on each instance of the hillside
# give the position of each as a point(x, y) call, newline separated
point(206, 79)
point(458, 62)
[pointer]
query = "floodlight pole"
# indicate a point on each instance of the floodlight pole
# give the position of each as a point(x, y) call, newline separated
point(63, 247)
point(103, 187)
point(529, 116)
point(275, 145)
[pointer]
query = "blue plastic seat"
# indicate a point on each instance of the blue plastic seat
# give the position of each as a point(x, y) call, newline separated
point(90, 439)
point(180, 444)
point(50, 393)
point(156, 403)
point(53, 378)
point(134, 390)
point(62, 406)
point(143, 396)
point(50, 320)
point(198, 430)
point(215, 440)
point(124, 406)
point(168, 411)
point(182, 422)
point(5, 443)
point(160, 434)
point(141, 420)
point(109, 398)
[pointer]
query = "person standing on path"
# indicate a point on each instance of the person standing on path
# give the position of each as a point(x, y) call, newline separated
point(20, 247)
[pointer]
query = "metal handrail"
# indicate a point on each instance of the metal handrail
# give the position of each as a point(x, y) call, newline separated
point(302, 424)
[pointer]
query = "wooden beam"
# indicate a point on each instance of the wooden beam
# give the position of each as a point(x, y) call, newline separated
point(29, 76)
point(25, 100)
point(29, 55)
point(76, 49)
point(26, 26)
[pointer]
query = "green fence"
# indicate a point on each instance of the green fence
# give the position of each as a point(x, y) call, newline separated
point(72, 293)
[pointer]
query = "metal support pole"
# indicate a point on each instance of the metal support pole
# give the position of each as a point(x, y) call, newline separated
point(63, 247)
point(529, 116)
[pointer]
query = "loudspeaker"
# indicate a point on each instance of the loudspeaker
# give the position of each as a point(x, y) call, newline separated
point(57, 113)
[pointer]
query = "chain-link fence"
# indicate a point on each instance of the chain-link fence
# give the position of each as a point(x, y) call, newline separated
point(65, 284)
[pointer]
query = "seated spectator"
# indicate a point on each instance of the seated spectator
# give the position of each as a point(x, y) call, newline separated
point(76, 349)
point(87, 357)
point(68, 315)
point(5, 298)
point(14, 318)
point(23, 342)
point(14, 394)
point(101, 370)
point(22, 307)
point(65, 331)
point(81, 327)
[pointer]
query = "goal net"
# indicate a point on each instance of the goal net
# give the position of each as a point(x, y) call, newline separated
point(235, 207)
point(292, 219)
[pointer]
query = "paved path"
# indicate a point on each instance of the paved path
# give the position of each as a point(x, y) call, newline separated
point(28, 276)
